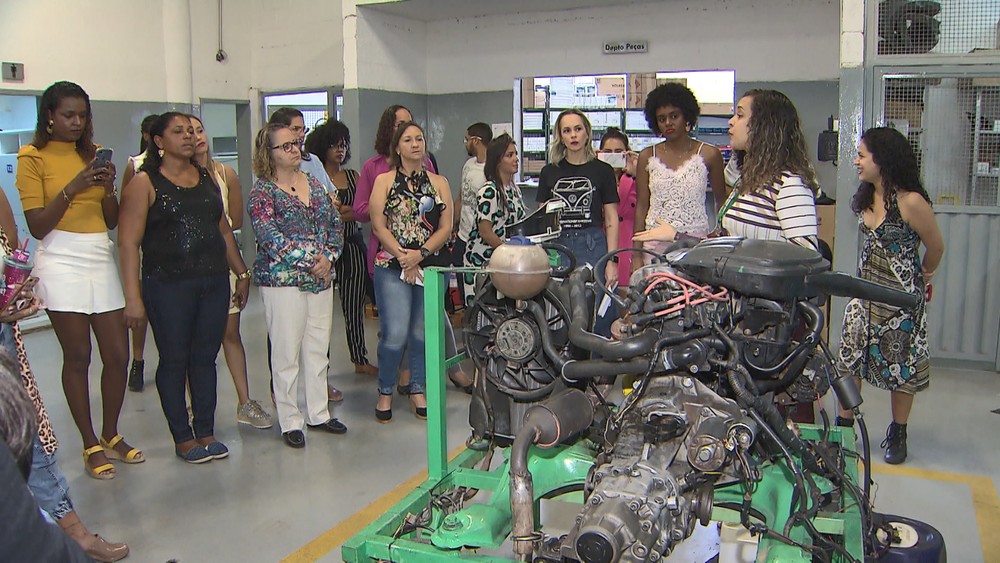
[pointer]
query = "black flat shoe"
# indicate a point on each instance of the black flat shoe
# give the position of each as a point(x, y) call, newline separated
point(467, 389)
point(136, 376)
point(294, 439)
point(333, 426)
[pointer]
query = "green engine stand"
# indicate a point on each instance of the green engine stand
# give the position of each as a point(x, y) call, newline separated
point(486, 525)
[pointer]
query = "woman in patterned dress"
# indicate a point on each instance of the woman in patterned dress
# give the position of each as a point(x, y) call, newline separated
point(887, 346)
point(499, 204)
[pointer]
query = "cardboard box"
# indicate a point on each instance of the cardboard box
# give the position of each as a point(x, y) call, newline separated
point(638, 86)
point(528, 93)
point(826, 216)
point(899, 109)
point(612, 86)
point(532, 165)
point(717, 109)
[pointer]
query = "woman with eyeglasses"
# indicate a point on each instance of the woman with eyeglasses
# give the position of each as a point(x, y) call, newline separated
point(248, 411)
point(331, 142)
point(299, 238)
point(412, 217)
point(173, 210)
point(70, 203)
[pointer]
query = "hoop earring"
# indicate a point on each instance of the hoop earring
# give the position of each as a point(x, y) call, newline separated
point(48, 128)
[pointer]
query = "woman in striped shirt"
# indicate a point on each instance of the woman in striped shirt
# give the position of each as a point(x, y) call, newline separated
point(773, 183)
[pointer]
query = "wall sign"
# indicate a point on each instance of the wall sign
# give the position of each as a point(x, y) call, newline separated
point(13, 71)
point(625, 47)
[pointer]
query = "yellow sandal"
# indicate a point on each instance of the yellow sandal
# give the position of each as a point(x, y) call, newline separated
point(101, 472)
point(134, 455)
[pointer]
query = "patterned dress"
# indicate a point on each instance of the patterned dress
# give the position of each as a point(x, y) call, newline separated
point(413, 210)
point(887, 346)
point(502, 208)
point(677, 197)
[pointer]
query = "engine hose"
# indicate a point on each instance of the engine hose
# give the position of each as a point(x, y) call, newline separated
point(546, 335)
point(626, 349)
point(793, 370)
point(812, 337)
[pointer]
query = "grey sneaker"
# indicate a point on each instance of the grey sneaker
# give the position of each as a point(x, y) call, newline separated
point(253, 414)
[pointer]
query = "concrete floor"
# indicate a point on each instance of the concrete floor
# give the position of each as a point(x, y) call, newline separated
point(267, 501)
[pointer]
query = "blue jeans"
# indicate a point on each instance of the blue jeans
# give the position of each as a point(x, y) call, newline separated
point(401, 320)
point(188, 318)
point(48, 484)
point(588, 245)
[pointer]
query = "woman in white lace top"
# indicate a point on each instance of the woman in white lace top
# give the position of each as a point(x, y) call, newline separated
point(674, 175)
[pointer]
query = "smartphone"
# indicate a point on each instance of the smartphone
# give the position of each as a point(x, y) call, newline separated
point(615, 159)
point(103, 157)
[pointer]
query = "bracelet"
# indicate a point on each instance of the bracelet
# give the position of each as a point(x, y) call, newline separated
point(113, 194)
point(66, 197)
point(928, 274)
point(244, 276)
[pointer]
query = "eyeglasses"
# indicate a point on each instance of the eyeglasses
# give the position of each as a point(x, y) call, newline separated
point(299, 130)
point(341, 145)
point(287, 147)
point(467, 139)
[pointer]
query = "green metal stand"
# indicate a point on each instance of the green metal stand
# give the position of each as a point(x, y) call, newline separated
point(487, 525)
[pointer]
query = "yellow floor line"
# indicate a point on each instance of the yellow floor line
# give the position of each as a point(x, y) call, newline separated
point(985, 500)
point(336, 536)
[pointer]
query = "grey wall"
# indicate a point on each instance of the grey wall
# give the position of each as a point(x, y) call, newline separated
point(116, 125)
point(362, 110)
point(815, 102)
point(451, 114)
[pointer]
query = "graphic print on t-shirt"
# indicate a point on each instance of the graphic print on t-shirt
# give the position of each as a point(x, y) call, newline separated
point(578, 194)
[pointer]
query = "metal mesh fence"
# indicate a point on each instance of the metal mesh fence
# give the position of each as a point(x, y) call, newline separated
point(953, 124)
point(908, 27)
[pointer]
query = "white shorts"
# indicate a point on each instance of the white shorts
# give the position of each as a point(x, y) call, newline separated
point(78, 273)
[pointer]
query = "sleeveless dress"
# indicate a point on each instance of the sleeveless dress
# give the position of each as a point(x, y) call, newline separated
point(413, 210)
point(678, 197)
point(887, 346)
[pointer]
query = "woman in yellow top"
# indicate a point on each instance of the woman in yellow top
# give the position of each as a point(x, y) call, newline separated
point(69, 201)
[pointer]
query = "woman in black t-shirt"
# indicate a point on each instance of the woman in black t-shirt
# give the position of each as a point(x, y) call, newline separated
point(589, 189)
point(174, 209)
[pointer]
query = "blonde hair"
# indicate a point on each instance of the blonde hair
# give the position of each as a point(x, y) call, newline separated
point(557, 150)
point(263, 162)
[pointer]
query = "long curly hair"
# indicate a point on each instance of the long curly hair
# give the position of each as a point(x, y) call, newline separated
point(384, 133)
point(153, 159)
point(51, 98)
point(775, 144)
point(897, 164)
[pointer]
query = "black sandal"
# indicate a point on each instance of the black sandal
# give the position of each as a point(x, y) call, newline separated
point(383, 417)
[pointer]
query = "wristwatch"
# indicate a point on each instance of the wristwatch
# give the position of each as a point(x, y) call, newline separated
point(424, 253)
point(244, 276)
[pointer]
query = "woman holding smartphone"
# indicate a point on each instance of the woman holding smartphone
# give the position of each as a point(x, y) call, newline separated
point(174, 210)
point(615, 146)
point(70, 202)
point(589, 188)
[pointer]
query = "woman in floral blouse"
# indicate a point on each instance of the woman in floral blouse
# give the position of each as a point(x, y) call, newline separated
point(411, 216)
point(299, 237)
point(499, 204)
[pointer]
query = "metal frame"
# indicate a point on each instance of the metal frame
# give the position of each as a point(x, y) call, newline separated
point(555, 470)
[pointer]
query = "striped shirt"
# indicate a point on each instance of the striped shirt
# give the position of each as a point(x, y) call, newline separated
point(783, 211)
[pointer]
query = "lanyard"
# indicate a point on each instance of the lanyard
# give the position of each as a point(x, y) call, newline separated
point(730, 201)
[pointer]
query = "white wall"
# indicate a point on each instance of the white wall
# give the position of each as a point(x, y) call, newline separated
point(764, 40)
point(391, 52)
point(295, 44)
point(113, 48)
point(230, 79)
